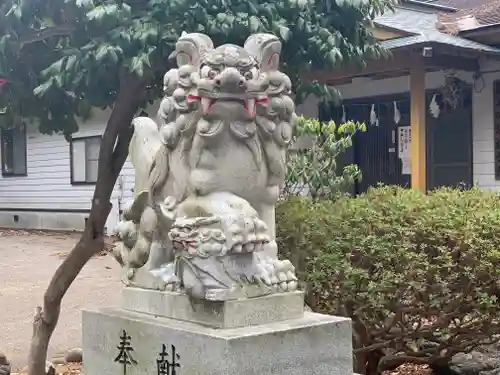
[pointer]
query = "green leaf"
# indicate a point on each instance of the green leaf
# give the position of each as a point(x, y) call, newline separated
point(102, 52)
point(48, 22)
point(221, 17)
point(300, 23)
point(71, 62)
point(15, 11)
point(84, 3)
point(58, 81)
point(254, 24)
point(42, 89)
point(101, 11)
point(145, 59)
point(3, 44)
point(97, 13)
point(54, 69)
point(112, 53)
point(285, 32)
point(137, 65)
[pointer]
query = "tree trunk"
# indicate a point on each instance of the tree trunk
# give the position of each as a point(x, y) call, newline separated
point(112, 156)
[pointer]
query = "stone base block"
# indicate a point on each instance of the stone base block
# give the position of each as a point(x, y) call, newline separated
point(119, 342)
point(228, 314)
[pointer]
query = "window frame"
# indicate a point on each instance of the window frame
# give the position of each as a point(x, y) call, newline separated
point(6, 173)
point(496, 128)
point(71, 158)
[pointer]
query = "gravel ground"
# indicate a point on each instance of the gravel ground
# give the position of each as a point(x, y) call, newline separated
point(27, 262)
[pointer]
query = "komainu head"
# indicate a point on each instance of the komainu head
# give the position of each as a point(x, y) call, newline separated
point(229, 76)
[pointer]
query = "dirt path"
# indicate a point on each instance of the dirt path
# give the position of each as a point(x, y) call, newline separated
point(27, 263)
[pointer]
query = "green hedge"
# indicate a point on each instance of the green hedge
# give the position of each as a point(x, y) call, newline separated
point(418, 274)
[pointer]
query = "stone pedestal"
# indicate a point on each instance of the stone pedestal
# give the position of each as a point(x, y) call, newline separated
point(230, 314)
point(257, 338)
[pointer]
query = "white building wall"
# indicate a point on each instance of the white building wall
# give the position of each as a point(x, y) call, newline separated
point(483, 130)
point(482, 112)
point(45, 198)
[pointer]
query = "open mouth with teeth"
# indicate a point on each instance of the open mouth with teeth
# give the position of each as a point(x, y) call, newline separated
point(207, 103)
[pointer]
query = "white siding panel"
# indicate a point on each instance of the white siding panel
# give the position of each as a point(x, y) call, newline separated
point(127, 176)
point(483, 146)
point(483, 133)
point(484, 169)
point(482, 157)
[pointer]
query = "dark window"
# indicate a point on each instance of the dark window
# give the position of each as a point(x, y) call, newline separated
point(496, 126)
point(14, 151)
point(84, 155)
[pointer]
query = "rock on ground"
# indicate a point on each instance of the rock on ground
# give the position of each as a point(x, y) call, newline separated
point(74, 355)
point(410, 369)
point(483, 361)
point(5, 369)
point(62, 369)
point(4, 365)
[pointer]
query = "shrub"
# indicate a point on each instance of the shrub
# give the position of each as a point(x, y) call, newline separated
point(313, 170)
point(417, 274)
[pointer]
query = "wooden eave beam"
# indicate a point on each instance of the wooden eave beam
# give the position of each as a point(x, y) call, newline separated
point(492, 39)
point(489, 34)
point(399, 61)
point(385, 33)
point(452, 62)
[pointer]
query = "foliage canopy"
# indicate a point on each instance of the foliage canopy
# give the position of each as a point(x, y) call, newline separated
point(61, 58)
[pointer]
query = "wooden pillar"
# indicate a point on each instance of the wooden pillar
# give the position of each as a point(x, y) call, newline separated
point(418, 126)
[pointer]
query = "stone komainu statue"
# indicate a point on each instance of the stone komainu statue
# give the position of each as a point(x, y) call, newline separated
point(208, 177)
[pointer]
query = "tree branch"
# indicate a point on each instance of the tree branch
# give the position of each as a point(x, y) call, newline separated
point(92, 241)
point(49, 32)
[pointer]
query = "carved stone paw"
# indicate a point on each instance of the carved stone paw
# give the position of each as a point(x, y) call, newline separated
point(248, 236)
point(155, 279)
point(127, 275)
point(126, 231)
point(277, 274)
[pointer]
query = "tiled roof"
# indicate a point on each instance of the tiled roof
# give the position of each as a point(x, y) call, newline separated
point(423, 25)
point(461, 4)
point(466, 19)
